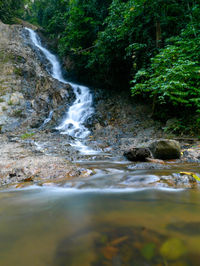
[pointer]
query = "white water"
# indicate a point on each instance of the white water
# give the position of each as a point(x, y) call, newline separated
point(81, 109)
point(48, 119)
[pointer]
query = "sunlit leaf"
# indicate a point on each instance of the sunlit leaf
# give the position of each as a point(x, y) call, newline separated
point(191, 174)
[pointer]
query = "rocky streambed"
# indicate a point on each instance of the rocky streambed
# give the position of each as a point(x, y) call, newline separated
point(48, 159)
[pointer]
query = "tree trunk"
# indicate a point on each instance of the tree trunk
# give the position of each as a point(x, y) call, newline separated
point(158, 34)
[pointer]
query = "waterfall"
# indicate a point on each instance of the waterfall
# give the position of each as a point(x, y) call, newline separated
point(81, 109)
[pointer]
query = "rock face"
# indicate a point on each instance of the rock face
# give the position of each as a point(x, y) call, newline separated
point(27, 91)
point(165, 149)
point(28, 94)
point(137, 154)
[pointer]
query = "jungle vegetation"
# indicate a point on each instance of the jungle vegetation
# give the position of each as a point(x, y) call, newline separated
point(148, 47)
point(10, 9)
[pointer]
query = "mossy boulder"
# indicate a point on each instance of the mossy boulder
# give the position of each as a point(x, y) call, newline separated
point(165, 149)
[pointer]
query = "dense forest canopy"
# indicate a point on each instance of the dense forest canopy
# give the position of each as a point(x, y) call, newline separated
point(9, 9)
point(151, 46)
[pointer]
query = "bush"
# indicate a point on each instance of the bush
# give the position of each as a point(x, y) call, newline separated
point(173, 77)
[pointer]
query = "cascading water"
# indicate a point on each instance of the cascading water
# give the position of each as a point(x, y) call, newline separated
point(81, 109)
point(78, 113)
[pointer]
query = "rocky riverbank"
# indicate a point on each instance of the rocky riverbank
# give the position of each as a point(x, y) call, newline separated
point(47, 158)
point(26, 162)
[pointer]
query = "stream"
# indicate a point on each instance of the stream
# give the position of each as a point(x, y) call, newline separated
point(57, 226)
point(123, 214)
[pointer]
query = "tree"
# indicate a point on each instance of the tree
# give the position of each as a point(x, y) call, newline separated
point(113, 42)
point(173, 77)
point(9, 9)
point(134, 32)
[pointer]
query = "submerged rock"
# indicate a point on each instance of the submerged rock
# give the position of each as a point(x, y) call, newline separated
point(186, 228)
point(173, 249)
point(137, 154)
point(165, 149)
point(112, 246)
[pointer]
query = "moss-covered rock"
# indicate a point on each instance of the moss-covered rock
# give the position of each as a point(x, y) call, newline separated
point(165, 149)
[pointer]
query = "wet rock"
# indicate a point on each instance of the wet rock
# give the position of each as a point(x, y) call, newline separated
point(137, 154)
point(179, 181)
point(192, 154)
point(11, 126)
point(148, 166)
point(165, 149)
point(190, 228)
point(186, 180)
point(36, 162)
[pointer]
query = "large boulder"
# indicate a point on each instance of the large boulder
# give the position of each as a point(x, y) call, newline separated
point(165, 149)
point(137, 154)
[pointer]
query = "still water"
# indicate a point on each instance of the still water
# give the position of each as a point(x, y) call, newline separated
point(60, 226)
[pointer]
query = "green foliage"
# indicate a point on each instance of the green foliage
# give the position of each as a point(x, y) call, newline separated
point(173, 77)
point(18, 71)
point(154, 43)
point(10, 102)
point(110, 40)
point(74, 24)
point(18, 113)
point(129, 38)
point(187, 123)
point(27, 135)
point(84, 21)
point(148, 251)
point(9, 9)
